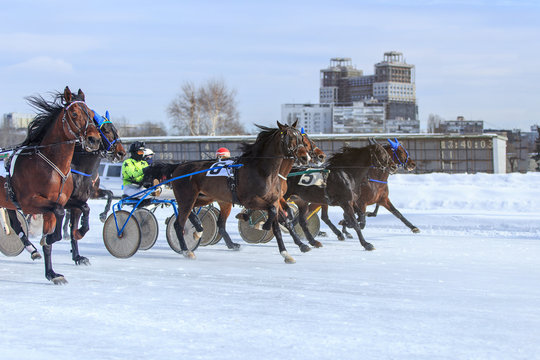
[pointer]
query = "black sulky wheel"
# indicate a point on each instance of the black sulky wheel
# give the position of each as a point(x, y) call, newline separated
point(10, 243)
point(172, 239)
point(127, 244)
point(313, 224)
point(209, 224)
point(249, 232)
point(149, 227)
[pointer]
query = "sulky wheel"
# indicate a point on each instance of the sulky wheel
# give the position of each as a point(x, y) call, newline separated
point(128, 242)
point(313, 225)
point(209, 224)
point(216, 212)
point(172, 239)
point(149, 227)
point(10, 243)
point(248, 230)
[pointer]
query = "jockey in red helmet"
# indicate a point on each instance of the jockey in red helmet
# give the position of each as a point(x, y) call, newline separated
point(223, 153)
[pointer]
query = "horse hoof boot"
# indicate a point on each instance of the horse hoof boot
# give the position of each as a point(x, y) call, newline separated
point(197, 235)
point(189, 254)
point(57, 279)
point(35, 255)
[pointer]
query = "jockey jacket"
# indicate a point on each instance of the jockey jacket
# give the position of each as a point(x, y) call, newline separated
point(132, 171)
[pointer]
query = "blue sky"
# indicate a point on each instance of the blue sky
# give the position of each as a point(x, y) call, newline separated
point(479, 59)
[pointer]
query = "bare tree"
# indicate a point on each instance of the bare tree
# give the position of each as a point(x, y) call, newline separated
point(434, 122)
point(147, 128)
point(207, 110)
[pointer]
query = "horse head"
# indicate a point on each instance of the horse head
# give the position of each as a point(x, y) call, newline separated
point(293, 144)
point(380, 157)
point(317, 155)
point(110, 141)
point(78, 121)
point(400, 155)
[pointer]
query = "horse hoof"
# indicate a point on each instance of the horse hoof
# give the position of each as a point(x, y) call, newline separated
point(189, 255)
point(349, 236)
point(103, 217)
point(341, 238)
point(197, 235)
point(316, 244)
point(242, 216)
point(59, 280)
point(35, 255)
point(235, 247)
point(304, 248)
point(81, 260)
point(267, 226)
point(369, 247)
point(259, 225)
point(287, 258)
point(415, 230)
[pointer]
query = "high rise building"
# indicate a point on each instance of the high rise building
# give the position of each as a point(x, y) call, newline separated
point(393, 85)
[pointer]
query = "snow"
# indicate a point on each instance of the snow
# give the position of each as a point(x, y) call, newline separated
point(465, 287)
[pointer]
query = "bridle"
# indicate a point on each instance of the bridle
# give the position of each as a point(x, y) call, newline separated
point(67, 120)
point(100, 121)
point(290, 150)
point(395, 157)
point(380, 163)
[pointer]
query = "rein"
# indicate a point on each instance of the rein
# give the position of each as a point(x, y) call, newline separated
point(55, 168)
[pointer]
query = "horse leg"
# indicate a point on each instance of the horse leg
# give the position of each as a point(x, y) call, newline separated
point(16, 226)
point(75, 255)
point(351, 222)
point(184, 211)
point(225, 211)
point(303, 211)
point(390, 207)
point(66, 227)
point(326, 219)
point(282, 250)
point(374, 212)
point(272, 215)
point(196, 222)
point(109, 195)
point(285, 221)
point(50, 225)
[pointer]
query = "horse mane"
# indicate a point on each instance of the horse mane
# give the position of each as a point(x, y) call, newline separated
point(47, 111)
point(347, 156)
point(251, 150)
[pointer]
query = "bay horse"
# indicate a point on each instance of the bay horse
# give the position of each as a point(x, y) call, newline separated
point(40, 180)
point(256, 185)
point(347, 169)
point(375, 190)
point(84, 168)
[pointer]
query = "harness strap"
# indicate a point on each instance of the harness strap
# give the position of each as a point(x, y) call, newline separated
point(80, 173)
point(378, 181)
point(64, 177)
point(282, 177)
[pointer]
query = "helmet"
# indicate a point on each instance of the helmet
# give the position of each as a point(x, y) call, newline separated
point(223, 153)
point(137, 150)
point(148, 155)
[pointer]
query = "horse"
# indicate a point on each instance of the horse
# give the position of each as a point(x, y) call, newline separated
point(375, 190)
point(84, 168)
point(347, 169)
point(255, 185)
point(39, 180)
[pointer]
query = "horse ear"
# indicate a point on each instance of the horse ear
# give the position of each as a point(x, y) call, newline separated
point(295, 124)
point(68, 96)
point(80, 95)
point(107, 116)
point(371, 141)
point(281, 127)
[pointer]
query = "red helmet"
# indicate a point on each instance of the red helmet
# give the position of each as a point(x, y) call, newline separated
point(223, 153)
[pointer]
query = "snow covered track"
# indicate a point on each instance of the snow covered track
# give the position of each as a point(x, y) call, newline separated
point(465, 287)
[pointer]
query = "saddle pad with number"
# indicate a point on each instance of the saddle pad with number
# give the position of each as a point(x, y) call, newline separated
point(219, 168)
point(313, 179)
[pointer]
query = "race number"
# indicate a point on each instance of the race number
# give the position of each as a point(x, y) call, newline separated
point(219, 169)
point(313, 179)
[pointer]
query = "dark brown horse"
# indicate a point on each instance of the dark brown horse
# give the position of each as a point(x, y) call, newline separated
point(347, 169)
point(40, 180)
point(256, 185)
point(375, 190)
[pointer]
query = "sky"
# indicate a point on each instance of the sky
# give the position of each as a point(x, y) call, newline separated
point(477, 59)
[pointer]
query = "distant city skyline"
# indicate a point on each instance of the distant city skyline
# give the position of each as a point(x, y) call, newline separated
point(478, 59)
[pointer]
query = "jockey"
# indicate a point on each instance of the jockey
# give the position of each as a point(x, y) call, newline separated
point(223, 153)
point(132, 169)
